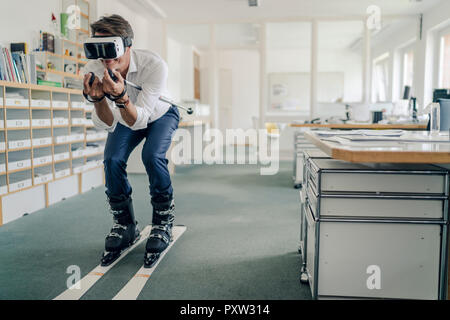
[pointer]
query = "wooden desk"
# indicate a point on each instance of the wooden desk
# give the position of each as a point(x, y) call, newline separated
point(390, 152)
point(350, 126)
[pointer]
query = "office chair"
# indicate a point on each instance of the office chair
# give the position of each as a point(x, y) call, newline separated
point(445, 114)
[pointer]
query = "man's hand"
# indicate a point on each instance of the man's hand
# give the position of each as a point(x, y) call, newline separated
point(96, 90)
point(111, 87)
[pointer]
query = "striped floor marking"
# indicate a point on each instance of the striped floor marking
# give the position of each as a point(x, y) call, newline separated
point(134, 287)
point(92, 277)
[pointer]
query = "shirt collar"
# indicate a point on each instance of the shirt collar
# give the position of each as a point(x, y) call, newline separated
point(132, 68)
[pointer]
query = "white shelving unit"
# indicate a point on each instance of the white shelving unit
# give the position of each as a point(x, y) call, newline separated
point(44, 151)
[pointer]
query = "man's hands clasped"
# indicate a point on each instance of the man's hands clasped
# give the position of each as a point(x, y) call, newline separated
point(115, 91)
point(94, 90)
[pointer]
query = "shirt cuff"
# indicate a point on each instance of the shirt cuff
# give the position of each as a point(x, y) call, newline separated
point(99, 124)
point(141, 121)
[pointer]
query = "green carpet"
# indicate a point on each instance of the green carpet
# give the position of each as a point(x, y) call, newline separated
point(241, 241)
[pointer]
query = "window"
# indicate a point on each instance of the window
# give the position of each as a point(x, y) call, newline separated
point(289, 67)
point(408, 68)
point(380, 78)
point(444, 68)
point(340, 61)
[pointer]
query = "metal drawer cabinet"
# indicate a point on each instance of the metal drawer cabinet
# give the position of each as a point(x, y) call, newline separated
point(337, 176)
point(306, 155)
point(375, 231)
point(373, 206)
point(301, 145)
point(373, 260)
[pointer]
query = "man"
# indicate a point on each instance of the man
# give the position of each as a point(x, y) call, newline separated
point(132, 117)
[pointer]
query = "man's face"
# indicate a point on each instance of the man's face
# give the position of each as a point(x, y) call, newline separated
point(120, 64)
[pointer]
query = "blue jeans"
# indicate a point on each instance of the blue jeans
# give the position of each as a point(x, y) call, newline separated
point(123, 141)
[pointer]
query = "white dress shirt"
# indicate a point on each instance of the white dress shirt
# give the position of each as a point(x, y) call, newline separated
point(147, 70)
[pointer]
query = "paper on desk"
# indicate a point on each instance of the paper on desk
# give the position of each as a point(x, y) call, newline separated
point(362, 133)
point(348, 143)
point(404, 138)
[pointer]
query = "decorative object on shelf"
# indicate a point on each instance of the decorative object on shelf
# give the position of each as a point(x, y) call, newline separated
point(64, 17)
point(51, 66)
point(48, 42)
point(70, 68)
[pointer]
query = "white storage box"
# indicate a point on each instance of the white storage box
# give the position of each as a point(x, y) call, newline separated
point(3, 190)
point(2, 146)
point(2, 168)
point(77, 121)
point(60, 121)
point(17, 102)
point(62, 156)
point(18, 144)
point(62, 173)
point(76, 137)
point(88, 122)
point(78, 169)
point(77, 105)
point(2, 124)
point(62, 139)
point(20, 185)
point(42, 141)
point(42, 160)
point(60, 104)
point(41, 122)
point(78, 153)
point(40, 103)
point(18, 123)
point(16, 165)
point(43, 178)
point(91, 137)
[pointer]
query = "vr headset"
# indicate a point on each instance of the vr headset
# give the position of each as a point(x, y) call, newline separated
point(106, 47)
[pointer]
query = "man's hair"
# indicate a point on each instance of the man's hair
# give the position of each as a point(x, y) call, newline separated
point(114, 25)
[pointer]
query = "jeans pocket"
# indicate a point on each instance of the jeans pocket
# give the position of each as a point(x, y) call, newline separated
point(176, 112)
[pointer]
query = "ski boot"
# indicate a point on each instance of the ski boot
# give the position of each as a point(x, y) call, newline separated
point(124, 232)
point(161, 234)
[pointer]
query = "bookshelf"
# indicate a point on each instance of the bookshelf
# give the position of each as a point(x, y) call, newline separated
point(60, 66)
point(47, 147)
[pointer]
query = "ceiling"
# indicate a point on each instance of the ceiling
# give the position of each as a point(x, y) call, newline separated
point(228, 10)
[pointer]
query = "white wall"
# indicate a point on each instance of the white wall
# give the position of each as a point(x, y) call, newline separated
point(180, 58)
point(174, 61)
point(424, 57)
point(244, 65)
point(148, 31)
point(21, 20)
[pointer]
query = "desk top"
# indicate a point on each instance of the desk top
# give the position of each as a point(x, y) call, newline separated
point(387, 151)
point(362, 126)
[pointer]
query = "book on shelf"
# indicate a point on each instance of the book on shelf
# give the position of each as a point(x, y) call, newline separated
point(16, 66)
point(49, 83)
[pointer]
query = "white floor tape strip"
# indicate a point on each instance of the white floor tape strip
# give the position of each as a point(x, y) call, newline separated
point(134, 287)
point(92, 277)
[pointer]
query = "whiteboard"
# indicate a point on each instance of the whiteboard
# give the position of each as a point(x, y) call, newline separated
point(289, 91)
point(292, 91)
